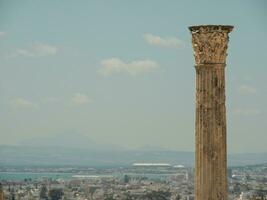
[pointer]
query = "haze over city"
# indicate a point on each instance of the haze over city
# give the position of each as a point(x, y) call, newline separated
point(121, 73)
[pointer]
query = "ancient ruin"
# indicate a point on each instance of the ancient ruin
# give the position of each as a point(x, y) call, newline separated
point(210, 46)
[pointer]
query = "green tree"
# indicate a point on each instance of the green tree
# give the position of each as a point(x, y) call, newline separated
point(43, 193)
point(126, 178)
point(89, 192)
point(158, 195)
point(178, 197)
point(55, 194)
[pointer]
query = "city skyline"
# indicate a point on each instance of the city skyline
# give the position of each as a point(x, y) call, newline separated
point(122, 73)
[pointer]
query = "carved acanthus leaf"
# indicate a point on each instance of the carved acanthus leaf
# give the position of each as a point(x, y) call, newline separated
point(210, 43)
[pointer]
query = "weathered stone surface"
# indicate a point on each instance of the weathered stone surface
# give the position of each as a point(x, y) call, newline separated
point(210, 46)
point(210, 43)
point(1, 192)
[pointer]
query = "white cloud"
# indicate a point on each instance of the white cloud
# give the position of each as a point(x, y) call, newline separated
point(2, 33)
point(36, 50)
point(116, 65)
point(22, 103)
point(162, 41)
point(79, 98)
point(247, 112)
point(246, 89)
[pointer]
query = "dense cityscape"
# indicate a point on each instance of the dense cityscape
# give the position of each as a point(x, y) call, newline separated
point(142, 181)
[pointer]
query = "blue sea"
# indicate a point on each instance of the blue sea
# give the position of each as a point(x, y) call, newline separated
point(32, 175)
point(39, 175)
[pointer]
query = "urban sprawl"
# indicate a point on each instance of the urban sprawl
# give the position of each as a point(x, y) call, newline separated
point(142, 181)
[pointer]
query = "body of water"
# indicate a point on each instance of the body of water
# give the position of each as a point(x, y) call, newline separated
point(32, 175)
point(39, 175)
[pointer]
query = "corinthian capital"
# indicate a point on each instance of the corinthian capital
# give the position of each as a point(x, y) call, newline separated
point(210, 43)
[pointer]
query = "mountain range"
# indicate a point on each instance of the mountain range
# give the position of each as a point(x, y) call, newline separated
point(69, 149)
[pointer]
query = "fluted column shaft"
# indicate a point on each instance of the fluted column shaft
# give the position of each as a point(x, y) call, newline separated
point(210, 45)
point(211, 181)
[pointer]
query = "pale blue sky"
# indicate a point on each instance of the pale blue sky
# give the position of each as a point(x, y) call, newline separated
point(121, 72)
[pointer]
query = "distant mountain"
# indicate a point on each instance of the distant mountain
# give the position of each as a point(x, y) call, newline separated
point(67, 156)
point(26, 155)
point(68, 139)
point(247, 159)
point(70, 148)
point(152, 148)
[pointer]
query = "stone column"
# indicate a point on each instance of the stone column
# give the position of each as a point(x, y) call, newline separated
point(210, 46)
point(1, 192)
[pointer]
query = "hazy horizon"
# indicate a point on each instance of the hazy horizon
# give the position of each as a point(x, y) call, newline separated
point(121, 72)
